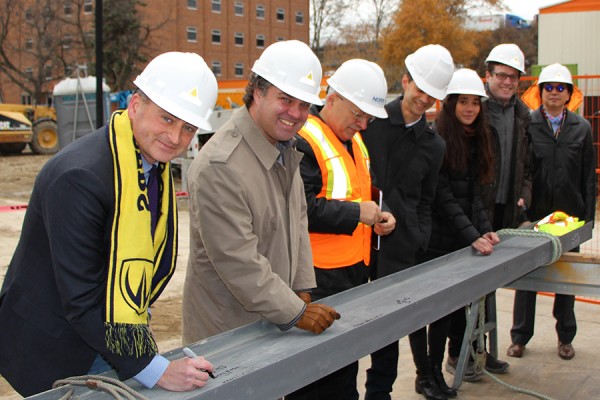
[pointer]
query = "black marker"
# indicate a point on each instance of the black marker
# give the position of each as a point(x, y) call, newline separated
point(189, 353)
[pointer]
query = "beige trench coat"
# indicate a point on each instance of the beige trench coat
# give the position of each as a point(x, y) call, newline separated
point(249, 239)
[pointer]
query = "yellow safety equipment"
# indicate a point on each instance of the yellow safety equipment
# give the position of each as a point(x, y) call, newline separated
point(558, 223)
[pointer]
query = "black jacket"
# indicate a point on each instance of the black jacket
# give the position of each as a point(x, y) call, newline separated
point(520, 174)
point(564, 169)
point(459, 217)
point(405, 163)
point(53, 297)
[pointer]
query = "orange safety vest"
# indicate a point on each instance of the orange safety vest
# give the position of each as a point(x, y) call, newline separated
point(344, 179)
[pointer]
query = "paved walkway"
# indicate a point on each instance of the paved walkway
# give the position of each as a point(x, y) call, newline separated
point(539, 370)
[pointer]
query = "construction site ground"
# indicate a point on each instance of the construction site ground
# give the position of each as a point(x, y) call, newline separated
point(540, 370)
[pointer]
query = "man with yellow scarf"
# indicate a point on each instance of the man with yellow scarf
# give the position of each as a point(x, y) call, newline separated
point(99, 242)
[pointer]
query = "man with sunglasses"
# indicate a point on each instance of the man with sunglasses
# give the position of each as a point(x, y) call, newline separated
point(337, 182)
point(564, 179)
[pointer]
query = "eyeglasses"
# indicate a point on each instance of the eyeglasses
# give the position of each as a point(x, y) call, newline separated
point(502, 76)
point(548, 87)
point(359, 116)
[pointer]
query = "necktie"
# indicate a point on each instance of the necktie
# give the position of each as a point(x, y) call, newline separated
point(153, 196)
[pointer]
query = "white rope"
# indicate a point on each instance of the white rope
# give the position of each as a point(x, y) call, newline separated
point(114, 387)
point(556, 244)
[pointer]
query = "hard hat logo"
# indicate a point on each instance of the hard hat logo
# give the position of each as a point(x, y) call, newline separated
point(192, 97)
point(181, 84)
point(285, 64)
point(308, 79)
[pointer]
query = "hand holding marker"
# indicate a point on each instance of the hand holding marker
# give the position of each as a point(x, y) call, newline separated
point(189, 353)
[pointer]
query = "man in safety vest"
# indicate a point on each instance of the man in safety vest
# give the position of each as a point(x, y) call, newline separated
point(341, 213)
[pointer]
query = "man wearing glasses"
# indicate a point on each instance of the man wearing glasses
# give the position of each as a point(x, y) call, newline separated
point(564, 178)
point(337, 182)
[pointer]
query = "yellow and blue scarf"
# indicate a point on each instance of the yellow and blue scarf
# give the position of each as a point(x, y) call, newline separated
point(140, 266)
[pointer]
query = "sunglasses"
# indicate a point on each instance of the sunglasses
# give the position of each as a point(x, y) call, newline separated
point(559, 88)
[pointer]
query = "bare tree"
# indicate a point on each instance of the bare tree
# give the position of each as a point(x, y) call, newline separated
point(33, 44)
point(326, 18)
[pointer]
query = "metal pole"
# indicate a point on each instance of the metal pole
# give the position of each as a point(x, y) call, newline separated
point(99, 60)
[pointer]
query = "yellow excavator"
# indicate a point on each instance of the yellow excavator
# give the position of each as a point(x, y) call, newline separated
point(22, 124)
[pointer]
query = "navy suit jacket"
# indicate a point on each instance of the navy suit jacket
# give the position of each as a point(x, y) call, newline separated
point(52, 300)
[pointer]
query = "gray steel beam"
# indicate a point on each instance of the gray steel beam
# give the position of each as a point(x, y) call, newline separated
point(570, 275)
point(260, 362)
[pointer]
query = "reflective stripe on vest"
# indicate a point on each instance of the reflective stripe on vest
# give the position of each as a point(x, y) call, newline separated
point(343, 179)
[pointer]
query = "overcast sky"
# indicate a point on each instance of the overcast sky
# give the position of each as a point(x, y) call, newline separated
point(528, 8)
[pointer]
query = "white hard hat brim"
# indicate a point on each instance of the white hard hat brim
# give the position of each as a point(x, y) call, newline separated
point(483, 96)
point(298, 94)
point(370, 109)
point(429, 89)
point(171, 107)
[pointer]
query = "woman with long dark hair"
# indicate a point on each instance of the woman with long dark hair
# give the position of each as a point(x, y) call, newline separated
point(459, 216)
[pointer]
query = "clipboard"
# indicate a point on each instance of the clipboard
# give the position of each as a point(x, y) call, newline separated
point(377, 196)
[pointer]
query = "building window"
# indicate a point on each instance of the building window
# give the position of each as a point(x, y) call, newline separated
point(28, 15)
point(280, 14)
point(67, 40)
point(280, 38)
point(29, 44)
point(260, 40)
point(216, 6)
point(238, 8)
point(88, 6)
point(216, 36)
point(239, 39)
point(192, 34)
point(192, 4)
point(299, 17)
point(260, 11)
point(68, 8)
point(238, 70)
point(29, 72)
point(68, 70)
point(216, 68)
point(25, 99)
point(48, 72)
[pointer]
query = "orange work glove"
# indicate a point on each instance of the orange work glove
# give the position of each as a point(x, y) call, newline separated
point(305, 296)
point(317, 317)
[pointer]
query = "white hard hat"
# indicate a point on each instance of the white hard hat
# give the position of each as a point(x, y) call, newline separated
point(431, 68)
point(181, 84)
point(555, 73)
point(466, 81)
point(363, 83)
point(508, 54)
point(293, 68)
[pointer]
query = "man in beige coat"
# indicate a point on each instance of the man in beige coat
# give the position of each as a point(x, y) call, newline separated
point(250, 255)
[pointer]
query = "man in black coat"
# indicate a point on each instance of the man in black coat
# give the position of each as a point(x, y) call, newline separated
point(564, 179)
point(99, 242)
point(406, 156)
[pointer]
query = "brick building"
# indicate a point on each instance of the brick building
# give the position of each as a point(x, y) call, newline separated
point(229, 34)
